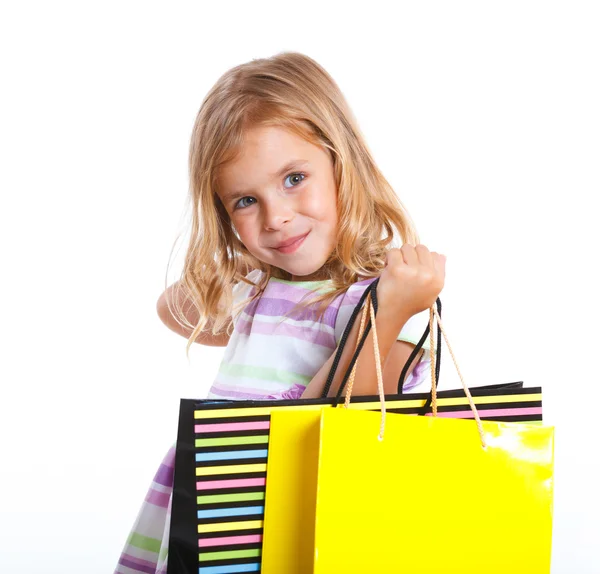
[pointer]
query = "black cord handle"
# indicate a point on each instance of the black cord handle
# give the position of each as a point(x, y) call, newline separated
point(418, 347)
point(372, 289)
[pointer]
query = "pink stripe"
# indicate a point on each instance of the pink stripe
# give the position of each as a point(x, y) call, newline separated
point(275, 307)
point(483, 413)
point(251, 539)
point(237, 483)
point(225, 427)
point(158, 498)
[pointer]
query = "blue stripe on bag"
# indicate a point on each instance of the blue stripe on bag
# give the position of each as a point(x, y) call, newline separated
point(229, 455)
point(229, 569)
point(240, 511)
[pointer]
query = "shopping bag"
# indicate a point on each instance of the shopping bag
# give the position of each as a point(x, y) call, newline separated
point(221, 470)
point(398, 493)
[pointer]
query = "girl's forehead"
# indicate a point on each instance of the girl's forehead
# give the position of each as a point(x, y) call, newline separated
point(265, 154)
point(268, 144)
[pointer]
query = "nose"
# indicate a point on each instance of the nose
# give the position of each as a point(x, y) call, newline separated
point(276, 213)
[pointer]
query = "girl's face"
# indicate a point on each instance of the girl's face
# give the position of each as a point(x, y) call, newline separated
point(281, 196)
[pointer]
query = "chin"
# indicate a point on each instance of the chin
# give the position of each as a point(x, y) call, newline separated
point(301, 272)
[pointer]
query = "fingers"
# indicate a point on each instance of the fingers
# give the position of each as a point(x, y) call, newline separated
point(409, 254)
point(424, 255)
point(413, 277)
point(395, 258)
point(418, 255)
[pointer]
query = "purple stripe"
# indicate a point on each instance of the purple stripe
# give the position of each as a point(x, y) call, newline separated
point(250, 309)
point(417, 375)
point(271, 307)
point(164, 475)
point(223, 392)
point(355, 292)
point(285, 291)
point(309, 334)
point(158, 498)
point(137, 564)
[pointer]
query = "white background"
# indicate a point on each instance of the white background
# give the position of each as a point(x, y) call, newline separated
point(484, 117)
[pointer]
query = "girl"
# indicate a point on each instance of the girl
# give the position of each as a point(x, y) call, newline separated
point(292, 220)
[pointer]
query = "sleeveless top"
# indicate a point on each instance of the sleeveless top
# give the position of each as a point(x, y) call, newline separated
point(274, 354)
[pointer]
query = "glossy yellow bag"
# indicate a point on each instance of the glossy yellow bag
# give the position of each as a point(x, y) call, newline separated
point(398, 493)
point(430, 498)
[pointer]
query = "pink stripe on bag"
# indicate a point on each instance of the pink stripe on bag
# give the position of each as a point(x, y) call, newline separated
point(237, 483)
point(252, 539)
point(485, 413)
point(227, 427)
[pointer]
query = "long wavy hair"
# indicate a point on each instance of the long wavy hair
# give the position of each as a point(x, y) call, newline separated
point(291, 91)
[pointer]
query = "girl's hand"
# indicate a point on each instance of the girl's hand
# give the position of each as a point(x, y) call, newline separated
point(411, 281)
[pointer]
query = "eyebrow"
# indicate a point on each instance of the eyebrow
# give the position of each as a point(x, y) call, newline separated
point(295, 163)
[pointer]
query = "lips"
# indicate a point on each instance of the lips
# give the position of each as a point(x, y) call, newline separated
point(290, 245)
point(289, 242)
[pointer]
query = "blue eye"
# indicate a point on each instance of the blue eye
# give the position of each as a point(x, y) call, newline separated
point(239, 204)
point(294, 175)
point(248, 201)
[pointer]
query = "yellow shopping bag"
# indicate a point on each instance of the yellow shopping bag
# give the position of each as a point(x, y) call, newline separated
point(398, 493)
point(430, 498)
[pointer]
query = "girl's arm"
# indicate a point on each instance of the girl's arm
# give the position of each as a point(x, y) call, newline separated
point(191, 314)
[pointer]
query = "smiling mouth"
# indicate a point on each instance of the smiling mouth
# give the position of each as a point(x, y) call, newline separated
point(291, 247)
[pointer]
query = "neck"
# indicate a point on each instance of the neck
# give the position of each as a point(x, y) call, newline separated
point(318, 275)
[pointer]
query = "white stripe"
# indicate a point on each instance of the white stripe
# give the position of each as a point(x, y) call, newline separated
point(162, 488)
point(302, 357)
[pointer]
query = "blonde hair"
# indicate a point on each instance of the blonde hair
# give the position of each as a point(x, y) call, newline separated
point(291, 91)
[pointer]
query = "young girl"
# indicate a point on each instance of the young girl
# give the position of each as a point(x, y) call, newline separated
point(292, 220)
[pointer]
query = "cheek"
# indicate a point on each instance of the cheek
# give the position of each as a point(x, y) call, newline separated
point(245, 230)
point(321, 204)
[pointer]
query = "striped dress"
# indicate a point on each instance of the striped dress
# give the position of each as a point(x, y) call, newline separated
point(273, 353)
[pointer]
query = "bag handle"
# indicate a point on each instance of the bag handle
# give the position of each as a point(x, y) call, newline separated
point(341, 346)
point(418, 347)
point(433, 317)
point(371, 289)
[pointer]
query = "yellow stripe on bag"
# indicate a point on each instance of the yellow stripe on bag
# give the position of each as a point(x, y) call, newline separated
point(251, 412)
point(226, 526)
point(232, 469)
point(374, 405)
